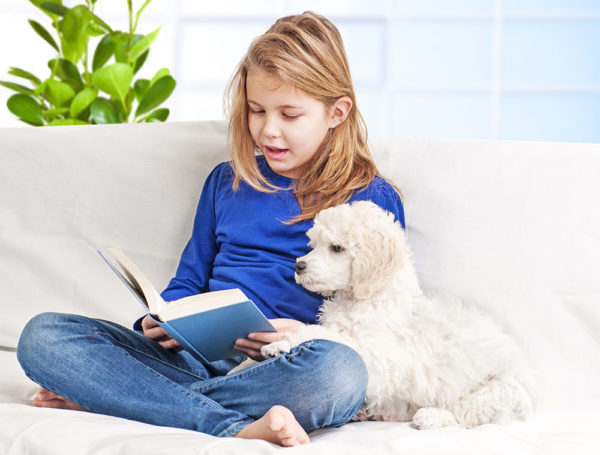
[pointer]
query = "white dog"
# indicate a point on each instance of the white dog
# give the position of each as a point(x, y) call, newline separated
point(432, 361)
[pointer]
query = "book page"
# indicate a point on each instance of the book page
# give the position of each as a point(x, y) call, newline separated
point(135, 290)
point(202, 302)
point(155, 302)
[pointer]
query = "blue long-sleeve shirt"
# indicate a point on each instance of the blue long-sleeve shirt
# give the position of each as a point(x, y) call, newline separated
point(239, 239)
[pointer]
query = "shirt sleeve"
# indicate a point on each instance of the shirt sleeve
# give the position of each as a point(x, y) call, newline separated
point(197, 259)
point(385, 196)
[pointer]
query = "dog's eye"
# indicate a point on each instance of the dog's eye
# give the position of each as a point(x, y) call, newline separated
point(337, 248)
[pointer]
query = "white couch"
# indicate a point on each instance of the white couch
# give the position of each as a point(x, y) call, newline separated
point(513, 227)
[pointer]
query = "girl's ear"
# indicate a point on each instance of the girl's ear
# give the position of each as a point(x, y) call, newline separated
point(339, 111)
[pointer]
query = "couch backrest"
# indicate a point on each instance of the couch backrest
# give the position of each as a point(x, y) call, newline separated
point(67, 191)
point(511, 227)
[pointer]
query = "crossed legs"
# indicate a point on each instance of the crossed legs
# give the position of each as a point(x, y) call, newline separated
point(100, 366)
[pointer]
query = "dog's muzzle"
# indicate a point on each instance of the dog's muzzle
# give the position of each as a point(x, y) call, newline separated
point(300, 267)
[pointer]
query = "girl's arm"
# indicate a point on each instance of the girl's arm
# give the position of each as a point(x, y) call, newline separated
point(195, 266)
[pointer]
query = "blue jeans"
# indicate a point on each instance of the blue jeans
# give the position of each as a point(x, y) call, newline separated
point(109, 369)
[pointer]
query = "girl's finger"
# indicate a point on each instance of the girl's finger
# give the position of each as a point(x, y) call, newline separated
point(254, 355)
point(170, 344)
point(156, 333)
point(251, 352)
point(244, 343)
point(266, 337)
point(148, 323)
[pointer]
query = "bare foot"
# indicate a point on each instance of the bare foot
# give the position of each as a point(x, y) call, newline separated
point(46, 399)
point(278, 426)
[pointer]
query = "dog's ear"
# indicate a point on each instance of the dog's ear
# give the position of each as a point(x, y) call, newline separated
point(378, 251)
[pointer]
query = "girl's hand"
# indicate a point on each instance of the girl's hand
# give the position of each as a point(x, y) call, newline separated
point(155, 332)
point(251, 345)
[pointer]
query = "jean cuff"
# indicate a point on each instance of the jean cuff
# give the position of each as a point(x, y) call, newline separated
point(234, 429)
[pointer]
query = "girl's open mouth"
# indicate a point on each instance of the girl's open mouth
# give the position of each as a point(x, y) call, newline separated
point(274, 152)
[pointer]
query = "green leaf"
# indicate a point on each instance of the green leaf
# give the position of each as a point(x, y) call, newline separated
point(140, 47)
point(140, 61)
point(67, 72)
point(123, 108)
point(66, 122)
point(74, 37)
point(140, 88)
point(25, 75)
point(103, 111)
point(87, 78)
point(54, 7)
point(114, 79)
point(26, 108)
point(158, 115)
point(122, 38)
point(160, 74)
point(58, 93)
point(128, 103)
point(38, 4)
point(40, 89)
point(100, 23)
point(82, 100)
point(93, 30)
point(156, 95)
point(17, 88)
point(122, 49)
point(104, 50)
point(40, 30)
point(50, 114)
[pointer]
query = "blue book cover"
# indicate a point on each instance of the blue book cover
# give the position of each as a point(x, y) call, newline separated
point(206, 325)
point(211, 334)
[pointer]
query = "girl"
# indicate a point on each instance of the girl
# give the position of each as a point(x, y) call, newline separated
point(292, 101)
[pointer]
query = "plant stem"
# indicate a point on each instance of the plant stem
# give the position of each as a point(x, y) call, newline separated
point(130, 8)
point(85, 58)
point(139, 13)
point(55, 20)
point(125, 111)
point(131, 29)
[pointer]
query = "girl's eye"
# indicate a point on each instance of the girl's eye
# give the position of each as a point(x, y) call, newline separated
point(257, 111)
point(289, 116)
point(337, 248)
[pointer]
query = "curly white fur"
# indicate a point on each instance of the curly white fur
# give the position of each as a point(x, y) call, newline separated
point(431, 360)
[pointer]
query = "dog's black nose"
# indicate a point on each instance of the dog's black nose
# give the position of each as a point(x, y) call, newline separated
point(300, 266)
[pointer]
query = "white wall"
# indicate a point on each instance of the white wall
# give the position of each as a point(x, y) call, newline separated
point(508, 69)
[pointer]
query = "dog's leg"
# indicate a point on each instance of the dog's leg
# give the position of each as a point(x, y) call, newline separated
point(431, 418)
point(499, 400)
point(290, 340)
point(306, 333)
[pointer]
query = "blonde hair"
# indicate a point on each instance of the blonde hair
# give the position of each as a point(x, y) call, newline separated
point(306, 51)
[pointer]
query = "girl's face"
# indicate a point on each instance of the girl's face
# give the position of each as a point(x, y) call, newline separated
point(287, 125)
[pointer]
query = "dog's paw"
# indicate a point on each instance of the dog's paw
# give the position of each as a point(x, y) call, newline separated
point(276, 348)
point(431, 418)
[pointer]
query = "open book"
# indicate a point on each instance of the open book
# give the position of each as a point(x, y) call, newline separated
point(206, 325)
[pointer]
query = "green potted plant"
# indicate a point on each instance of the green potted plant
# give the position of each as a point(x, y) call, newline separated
point(90, 88)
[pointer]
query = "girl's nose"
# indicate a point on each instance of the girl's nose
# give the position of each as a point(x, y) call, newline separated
point(271, 127)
